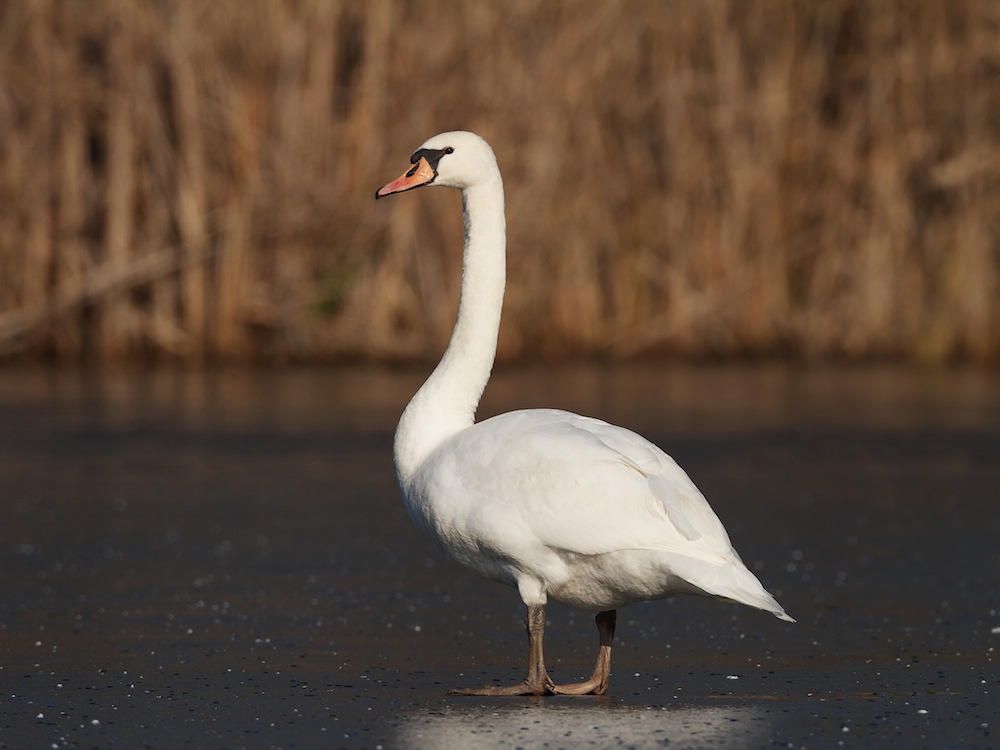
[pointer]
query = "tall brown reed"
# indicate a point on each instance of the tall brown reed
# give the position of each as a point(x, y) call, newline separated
point(195, 179)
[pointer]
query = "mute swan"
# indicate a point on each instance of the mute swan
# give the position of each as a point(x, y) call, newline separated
point(561, 506)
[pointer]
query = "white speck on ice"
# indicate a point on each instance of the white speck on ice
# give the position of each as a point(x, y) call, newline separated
point(732, 677)
point(995, 630)
point(921, 710)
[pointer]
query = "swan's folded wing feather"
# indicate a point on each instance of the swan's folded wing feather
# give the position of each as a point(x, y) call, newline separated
point(587, 487)
point(683, 502)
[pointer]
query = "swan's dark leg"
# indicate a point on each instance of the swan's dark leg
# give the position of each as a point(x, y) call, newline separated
point(537, 682)
point(598, 683)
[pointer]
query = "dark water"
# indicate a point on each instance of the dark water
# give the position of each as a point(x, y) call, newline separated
point(221, 560)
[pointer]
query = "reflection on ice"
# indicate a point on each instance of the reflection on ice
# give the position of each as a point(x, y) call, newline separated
point(576, 722)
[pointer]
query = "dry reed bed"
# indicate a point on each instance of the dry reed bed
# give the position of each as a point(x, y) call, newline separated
point(701, 178)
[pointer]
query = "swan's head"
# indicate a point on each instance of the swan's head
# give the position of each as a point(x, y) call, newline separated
point(457, 159)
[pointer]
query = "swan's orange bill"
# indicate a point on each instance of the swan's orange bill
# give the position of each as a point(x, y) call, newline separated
point(419, 174)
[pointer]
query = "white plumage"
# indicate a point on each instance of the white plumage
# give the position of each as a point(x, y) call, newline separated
point(561, 506)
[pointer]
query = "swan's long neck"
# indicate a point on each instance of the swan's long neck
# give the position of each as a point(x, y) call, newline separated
point(446, 403)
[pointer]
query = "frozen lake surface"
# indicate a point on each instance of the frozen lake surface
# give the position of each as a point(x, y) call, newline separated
point(221, 559)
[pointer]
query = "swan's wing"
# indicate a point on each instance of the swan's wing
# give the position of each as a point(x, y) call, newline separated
point(533, 482)
point(588, 487)
point(685, 506)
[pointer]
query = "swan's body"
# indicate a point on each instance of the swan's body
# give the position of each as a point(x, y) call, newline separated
point(561, 506)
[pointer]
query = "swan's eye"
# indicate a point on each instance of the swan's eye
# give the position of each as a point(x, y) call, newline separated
point(449, 150)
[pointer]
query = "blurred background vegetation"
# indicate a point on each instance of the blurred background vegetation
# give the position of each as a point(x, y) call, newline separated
point(194, 180)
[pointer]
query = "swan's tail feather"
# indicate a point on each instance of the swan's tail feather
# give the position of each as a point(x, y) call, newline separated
point(733, 582)
point(769, 604)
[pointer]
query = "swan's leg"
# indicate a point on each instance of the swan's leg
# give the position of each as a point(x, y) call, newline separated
point(598, 683)
point(537, 682)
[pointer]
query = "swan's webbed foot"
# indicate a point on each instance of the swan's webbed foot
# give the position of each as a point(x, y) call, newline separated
point(596, 685)
point(537, 682)
point(525, 687)
point(598, 682)
point(590, 687)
